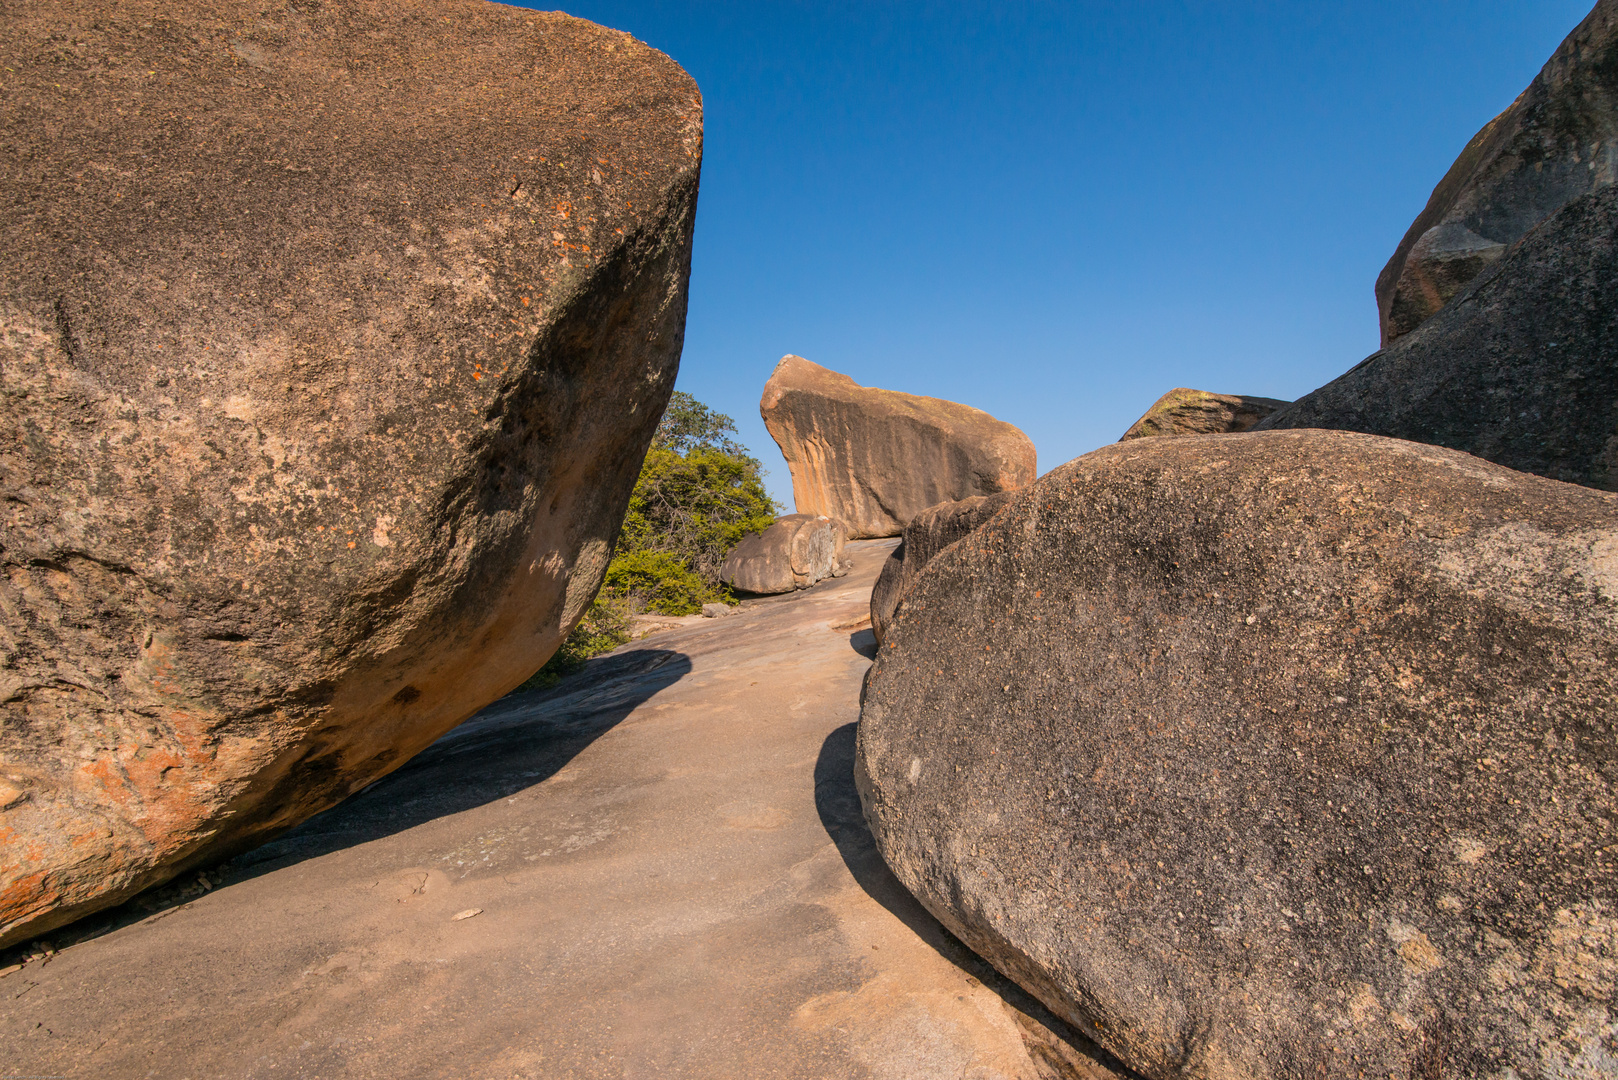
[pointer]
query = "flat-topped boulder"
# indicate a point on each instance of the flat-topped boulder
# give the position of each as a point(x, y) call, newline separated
point(794, 553)
point(1182, 411)
point(333, 339)
point(1276, 754)
point(1557, 141)
point(1517, 369)
point(874, 459)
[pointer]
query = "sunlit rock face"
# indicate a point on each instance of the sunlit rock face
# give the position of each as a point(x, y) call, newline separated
point(1182, 411)
point(1557, 141)
point(333, 338)
point(874, 459)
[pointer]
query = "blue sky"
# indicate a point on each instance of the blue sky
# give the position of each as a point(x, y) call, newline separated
point(1058, 212)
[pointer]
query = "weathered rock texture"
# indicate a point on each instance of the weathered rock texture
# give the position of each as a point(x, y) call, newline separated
point(1198, 412)
point(1557, 141)
point(1518, 369)
point(794, 553)
point(333, 337)
point(1273, 755)
point(874, 459)
point(932, 530)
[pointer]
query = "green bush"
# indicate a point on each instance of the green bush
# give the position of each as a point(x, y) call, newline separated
point(659, 580)
point(697, 495)
point(694, 507)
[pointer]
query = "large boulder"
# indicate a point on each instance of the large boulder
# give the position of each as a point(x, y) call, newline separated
point(1273, 755)
point(1517, 369)
point(1199, 412)
point(1557, 141)
point(874, 459)
point(794, 553)
point(331, 339)
point(930, 532)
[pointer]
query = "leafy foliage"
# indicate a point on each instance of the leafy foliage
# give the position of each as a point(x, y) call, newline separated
point(699, 492)
point(695, 507)
point(659, 580)
point(688, 424)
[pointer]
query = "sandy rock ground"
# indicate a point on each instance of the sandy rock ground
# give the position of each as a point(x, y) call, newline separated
point(670, 878)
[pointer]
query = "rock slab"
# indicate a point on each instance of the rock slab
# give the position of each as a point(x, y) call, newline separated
point(874, 459)
point(673, 877)
point(794, 553)
point(331, 340)
point(1517, 369)
point(933, 530)
point(1198, 412)
point(1557, 141)
point(1273, 755)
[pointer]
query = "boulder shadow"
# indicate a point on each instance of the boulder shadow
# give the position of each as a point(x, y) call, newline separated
point(1051, 1041)
point(864, 642)
point(510, 745)
point(517, 742)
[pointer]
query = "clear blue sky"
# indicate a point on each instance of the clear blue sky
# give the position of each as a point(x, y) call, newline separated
point(1057, 212)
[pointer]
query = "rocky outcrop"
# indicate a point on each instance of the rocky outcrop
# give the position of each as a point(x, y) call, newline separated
point(1518, 369)
point(933, 530)
point(1557, 141)
point(874, 459)
point(330, 346)
point(1272, 755)
point(794, 553)
point(1198, 412)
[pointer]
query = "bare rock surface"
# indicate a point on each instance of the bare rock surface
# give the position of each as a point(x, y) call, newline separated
point(1517, 369)
point(1557, 141)
point(874, 458)
point(1273, 755)
point(331, 339)
point(794, 553)
point(932, 530)
point(1199, 412)
point(672, 879)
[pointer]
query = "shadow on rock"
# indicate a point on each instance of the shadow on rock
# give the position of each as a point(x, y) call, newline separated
point(864, 643)
point(519, 741)
point(1059, 1048)
point(515, 743)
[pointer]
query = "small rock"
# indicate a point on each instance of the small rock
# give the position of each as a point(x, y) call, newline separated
point(794, 553)
point(1198, 412)
point(717, 610)
point(467, 914)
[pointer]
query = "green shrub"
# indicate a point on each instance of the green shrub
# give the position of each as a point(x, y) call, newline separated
point(659, 580)
point(694, 507)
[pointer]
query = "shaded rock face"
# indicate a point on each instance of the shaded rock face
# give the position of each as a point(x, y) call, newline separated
point(1198, 412)
point(1272, 755)
point(331, 340)
point(794, 553)
point(1557, 141)
point(933, 530)
point(1518, 369)
point(874, 459)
